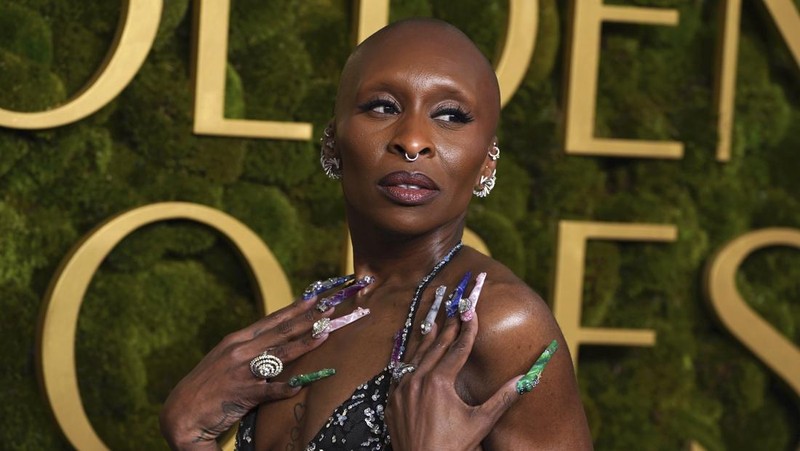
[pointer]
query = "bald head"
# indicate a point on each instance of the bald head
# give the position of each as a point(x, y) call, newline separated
point(417, 41)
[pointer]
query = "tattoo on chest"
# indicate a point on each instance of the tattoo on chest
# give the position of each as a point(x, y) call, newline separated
point(294, 434)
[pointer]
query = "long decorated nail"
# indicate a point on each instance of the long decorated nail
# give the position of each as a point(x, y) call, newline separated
point(397, 348)
point(531, 379)
point(346, 292)
point(322, 286)
point(466, 307)
point(427, 325)
point(455, 296)
point(327, 325)
point(305, 379)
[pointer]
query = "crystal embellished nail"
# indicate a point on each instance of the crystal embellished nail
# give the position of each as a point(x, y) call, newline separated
point(345, 293)
point(327, 325)
point(305, 379)
point(466, 307)
point(430, 318)
point(322, 286)
point(455, 296)
point(531, 379)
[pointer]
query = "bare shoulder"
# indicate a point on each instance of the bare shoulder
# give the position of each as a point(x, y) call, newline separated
point(514, 327)
point(510, 311)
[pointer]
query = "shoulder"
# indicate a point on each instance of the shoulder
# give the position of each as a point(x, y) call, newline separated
point(514, 320)
point(514, 327)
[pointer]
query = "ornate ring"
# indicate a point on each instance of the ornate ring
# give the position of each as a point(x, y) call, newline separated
point(266, 366)
point(464, 305)
point(320, 327)
point(401, 370)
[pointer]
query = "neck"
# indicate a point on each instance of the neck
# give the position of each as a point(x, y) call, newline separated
point(399, 258)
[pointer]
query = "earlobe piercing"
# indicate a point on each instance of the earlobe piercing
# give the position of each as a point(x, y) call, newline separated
point(486, 185)
point(332, 166)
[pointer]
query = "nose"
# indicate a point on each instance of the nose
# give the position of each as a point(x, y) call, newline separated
point(412, 137)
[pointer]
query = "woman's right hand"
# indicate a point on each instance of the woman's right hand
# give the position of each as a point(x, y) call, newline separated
point(221, 389)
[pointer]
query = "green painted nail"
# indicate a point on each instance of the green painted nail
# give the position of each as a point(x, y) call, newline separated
point(531, 379)
point(305, 379)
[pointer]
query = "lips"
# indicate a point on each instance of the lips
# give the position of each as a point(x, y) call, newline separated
point(407, 188)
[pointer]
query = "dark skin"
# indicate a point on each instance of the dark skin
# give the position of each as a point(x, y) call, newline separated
point(423, 88)
point(416, 88)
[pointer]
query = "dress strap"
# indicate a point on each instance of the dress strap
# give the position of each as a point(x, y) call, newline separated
point(402, 339)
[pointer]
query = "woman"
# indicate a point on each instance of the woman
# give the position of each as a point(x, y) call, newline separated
point(412, 139)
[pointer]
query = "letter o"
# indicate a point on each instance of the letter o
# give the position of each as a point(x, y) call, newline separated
point(59, 319)
point(131, 45)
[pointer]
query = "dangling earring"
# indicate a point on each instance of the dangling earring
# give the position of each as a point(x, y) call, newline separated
point(332, 166)
point(496, 155)
point(487, 184)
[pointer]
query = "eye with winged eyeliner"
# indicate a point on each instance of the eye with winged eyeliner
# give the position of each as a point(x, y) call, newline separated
point(376, 104)
point(454, 114)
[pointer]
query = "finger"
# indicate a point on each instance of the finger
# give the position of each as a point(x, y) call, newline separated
point(427, 342)
point(440, 345)
point(499, 403)
point(291, 350)
point(459, 350)
point(287, 322)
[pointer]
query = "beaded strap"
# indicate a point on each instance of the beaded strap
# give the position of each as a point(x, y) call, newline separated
point(400, 350)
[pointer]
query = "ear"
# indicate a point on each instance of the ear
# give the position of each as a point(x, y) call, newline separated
point(328, 140)
point(489, 162)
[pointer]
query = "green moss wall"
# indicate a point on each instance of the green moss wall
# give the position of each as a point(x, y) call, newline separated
point(171, 290)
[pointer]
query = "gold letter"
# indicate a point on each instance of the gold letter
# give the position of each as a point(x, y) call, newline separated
point(567, 302)
point(582, 90)
point(725, 88)
point(133, 41)
point(209, 94)
point(523, 16)
point(787, 21)
point(64, 297)
point(746, 325)
point(371, 16)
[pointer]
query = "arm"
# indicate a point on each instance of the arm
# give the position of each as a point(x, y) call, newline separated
point(221, 389)
point(462, 395)
point(516, 326)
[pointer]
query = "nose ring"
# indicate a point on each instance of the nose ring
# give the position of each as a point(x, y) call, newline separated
point(405, 154)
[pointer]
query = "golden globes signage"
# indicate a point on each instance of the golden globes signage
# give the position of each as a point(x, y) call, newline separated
point(135, 37)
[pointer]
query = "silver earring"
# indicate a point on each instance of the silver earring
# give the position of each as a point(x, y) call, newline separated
point(332, 166)
point(496, 155)
point(405, 154)
point(487, 184)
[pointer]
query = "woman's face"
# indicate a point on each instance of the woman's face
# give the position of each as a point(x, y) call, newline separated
point(418, 89)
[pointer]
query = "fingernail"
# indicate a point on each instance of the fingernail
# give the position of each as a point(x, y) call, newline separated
point(455, 296)
point(531, 379)
point(427, 325)
point(467, 306)
point(397, 348)
point(304, 379)
point(325, 326)
point(345, 293)
point(322, 286)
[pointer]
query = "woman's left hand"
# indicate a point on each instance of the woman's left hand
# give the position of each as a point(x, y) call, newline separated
point(424, 409)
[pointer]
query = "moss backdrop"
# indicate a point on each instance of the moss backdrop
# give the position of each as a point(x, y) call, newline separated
point(170, 291)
